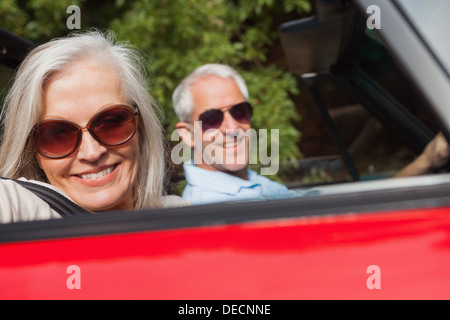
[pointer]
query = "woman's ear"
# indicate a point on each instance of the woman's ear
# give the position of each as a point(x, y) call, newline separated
point(41, 172)
point(184, 130)
point(38, 160)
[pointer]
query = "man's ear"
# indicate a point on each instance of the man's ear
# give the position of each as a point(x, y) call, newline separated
point(184, 130)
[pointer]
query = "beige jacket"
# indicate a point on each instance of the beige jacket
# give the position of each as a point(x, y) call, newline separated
point(19, 204)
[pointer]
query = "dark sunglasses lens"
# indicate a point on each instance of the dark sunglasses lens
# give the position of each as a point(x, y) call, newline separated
point(211, 119)
point(56, 139)
point(114, 126)
point(242, 112)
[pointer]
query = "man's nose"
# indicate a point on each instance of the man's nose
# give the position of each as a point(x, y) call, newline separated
point(229, 123)
point(90, 149)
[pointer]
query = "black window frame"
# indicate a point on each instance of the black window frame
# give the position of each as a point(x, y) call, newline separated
point(393, 195)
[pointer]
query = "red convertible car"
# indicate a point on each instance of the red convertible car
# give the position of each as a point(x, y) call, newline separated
point(378, 73)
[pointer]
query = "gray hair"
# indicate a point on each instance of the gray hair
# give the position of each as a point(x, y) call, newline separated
point(24, 107)
point(182, 99)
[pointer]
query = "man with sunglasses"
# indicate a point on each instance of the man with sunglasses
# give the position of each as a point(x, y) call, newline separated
point(213, 101)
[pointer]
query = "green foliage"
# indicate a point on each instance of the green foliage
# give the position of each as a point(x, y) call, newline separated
point(238, 33)
point(270, 89)
point(12, 17)
point(179, 35)
point(37, 20)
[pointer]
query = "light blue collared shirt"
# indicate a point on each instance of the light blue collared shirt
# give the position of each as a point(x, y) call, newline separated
point(206, 186)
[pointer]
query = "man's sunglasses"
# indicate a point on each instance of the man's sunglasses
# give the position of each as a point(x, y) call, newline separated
point(111, 126)
point(213, 118)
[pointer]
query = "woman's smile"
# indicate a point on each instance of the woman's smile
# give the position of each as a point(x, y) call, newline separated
point(97, 177)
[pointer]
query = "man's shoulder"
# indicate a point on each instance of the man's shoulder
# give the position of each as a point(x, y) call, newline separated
point(265, 181)
point(171, 201)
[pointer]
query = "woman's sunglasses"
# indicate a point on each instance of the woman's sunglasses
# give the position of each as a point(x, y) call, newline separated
point(111, 126)
point(213, 118)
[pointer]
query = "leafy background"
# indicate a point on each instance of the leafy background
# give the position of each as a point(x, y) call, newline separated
point(179, 35)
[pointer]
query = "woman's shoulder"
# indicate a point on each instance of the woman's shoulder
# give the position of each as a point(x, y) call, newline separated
point(19, 204)
point(171, 201)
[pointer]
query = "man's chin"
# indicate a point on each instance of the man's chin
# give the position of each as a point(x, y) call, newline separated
point(233, 168)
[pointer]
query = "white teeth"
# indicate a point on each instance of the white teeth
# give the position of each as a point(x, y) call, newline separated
point(98, 174)
point(230, 144)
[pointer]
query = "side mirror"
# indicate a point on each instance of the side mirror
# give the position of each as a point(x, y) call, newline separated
point(312, 44)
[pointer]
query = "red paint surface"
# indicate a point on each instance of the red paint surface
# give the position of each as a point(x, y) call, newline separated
point(303, 258)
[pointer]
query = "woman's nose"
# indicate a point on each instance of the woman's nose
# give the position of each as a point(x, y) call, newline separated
point(90, 149)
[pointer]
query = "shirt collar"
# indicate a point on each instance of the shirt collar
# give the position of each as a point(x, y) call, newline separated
point(216, 180)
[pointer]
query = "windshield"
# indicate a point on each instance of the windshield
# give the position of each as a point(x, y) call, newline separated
point(431, 18)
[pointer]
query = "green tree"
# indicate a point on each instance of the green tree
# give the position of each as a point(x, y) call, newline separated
point(238, 33)
point(179, 35)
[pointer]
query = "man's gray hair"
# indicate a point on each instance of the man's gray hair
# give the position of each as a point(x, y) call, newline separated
point(182, 98)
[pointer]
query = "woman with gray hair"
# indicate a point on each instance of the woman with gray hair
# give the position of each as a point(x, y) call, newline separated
point(80, 121)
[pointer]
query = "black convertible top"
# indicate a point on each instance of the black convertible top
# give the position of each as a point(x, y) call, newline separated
point(13, 48)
